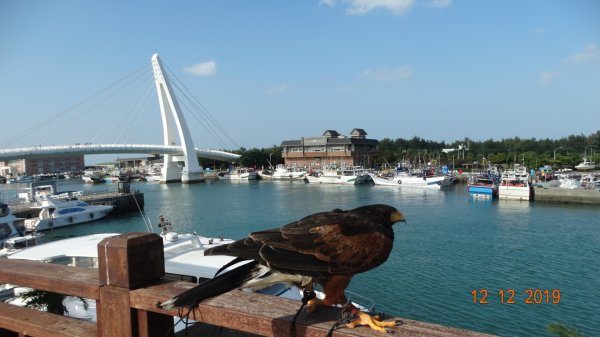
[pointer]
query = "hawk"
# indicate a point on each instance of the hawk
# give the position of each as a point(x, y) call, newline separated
point(326, 248)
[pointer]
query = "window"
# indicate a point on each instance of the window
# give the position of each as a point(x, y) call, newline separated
point(4, 230)
point(179, 277)
point(315, 148)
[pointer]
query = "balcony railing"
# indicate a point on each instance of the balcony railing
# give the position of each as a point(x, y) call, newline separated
point(128, 285)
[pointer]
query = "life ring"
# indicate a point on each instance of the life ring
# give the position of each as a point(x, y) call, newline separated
point(399, 181)
point(91, 215)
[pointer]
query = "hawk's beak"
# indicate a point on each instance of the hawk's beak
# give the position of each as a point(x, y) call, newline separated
point(398, 217)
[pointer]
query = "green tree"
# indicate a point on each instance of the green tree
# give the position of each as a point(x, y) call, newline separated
point(50, 301)
point(562, 330)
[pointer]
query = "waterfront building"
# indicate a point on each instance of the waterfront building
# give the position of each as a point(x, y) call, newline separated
point(46, 165)
point(331, 148)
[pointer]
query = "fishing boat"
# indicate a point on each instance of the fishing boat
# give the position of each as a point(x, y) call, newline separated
point(482, 187)
point(241, 173)
point(344, 176)
point(515, 184)
point(284, 173)
point(65, 209)
point(416, 178)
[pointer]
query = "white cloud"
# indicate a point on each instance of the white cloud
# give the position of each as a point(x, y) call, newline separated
point(590, 53)
point(360, 7)
point(388, 75)
point(547, 77)
point(202, 69)
point(278, 89)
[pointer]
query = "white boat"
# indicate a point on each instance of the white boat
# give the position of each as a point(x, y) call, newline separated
point(404, 179)
point(183, 255)
point(238, 174)
point(282, 172)
point(344, 176)
point(15, 244)
point(590, 181)
point(515, 184)
point(586, 165)
point(12, 233)
point(10, 225)
point(32, 193)
point(93, 176)
point(65, 209)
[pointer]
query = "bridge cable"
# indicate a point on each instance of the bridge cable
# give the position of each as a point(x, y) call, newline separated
point(38, 126)
point(201, 109)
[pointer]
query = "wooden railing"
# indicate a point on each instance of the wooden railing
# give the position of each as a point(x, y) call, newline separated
point(128, 285)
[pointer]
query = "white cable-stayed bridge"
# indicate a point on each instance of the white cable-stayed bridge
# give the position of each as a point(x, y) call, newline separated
point(178, 146)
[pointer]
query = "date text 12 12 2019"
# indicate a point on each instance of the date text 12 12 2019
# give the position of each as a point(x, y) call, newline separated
point(511, 296)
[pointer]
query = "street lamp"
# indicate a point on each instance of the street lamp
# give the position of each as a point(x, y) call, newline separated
point(560, 147)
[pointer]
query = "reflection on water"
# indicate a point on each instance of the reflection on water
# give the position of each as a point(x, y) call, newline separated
point(450, 245)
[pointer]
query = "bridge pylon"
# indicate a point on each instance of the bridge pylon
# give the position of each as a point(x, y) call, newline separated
point(173, 126)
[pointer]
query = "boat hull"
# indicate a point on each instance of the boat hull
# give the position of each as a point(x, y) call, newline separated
point(514, 193)
point(68, 220)
point(420, 182)
point(483, 192)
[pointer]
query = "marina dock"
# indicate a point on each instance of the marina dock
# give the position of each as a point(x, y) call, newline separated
point(540, 193)
point(124, 199)
point(567, 196)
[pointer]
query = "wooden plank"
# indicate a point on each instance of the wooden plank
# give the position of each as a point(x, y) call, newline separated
point(114, 314)
point(29, 322)
point(66, 280)
point(271, 316)
point(154, 324)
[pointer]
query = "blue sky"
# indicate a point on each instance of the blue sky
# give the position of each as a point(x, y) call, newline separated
point(274, 70)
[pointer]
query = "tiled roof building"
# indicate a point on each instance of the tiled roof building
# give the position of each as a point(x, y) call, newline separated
point(330, 149)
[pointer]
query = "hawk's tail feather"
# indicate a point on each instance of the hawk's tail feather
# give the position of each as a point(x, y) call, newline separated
point(218, 285)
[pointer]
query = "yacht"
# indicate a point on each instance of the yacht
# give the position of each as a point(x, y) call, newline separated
point(12, 233)
point(93, 176)
point(183, 255)
point(65, 209)
point(586, 165)
point(10, 225)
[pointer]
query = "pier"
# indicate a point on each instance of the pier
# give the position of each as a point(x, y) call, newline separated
point(127, 293)
point(567, 196)
point(123, 198)
point(577, 196)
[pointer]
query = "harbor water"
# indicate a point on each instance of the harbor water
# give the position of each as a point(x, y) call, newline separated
point(503, 267)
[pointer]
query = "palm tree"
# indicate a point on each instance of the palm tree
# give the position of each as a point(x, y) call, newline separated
point(52, 302)
point(562, 330)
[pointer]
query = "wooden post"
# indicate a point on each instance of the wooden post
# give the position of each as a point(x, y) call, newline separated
point(126, 262)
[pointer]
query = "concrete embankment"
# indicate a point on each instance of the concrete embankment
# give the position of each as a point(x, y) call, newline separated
point(567, 196)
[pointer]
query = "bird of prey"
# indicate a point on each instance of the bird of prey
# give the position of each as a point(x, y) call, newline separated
point(326, 248)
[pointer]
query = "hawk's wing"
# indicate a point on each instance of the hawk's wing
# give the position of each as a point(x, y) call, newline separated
point(335, 242)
